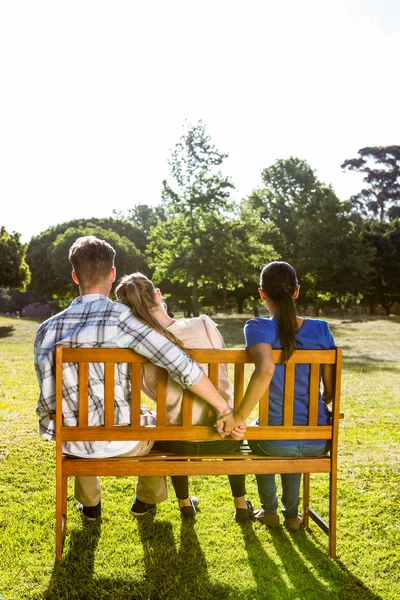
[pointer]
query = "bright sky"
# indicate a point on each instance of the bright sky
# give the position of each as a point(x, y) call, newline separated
point(94, 95)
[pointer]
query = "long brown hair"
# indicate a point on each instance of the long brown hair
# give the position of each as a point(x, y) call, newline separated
point(139, 293)
point(279, 281)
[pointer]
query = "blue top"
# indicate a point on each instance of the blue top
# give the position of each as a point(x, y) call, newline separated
point(314, 334)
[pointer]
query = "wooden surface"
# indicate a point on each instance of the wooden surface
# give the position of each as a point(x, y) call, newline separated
point(156, 463)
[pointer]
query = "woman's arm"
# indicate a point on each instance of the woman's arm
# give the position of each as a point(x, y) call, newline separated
point(259, 381)
point(327, 382)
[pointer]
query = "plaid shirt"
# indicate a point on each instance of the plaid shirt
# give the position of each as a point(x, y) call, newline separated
point(95, 321)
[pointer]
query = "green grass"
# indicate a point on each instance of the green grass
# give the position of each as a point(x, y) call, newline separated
point(211, 557)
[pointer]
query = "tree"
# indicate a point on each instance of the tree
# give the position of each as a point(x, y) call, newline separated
point(14, 272)
point(47, 254)
point(381, 196)
point(143, 217)
point(197, 193)
point(383, 240)
point(310, 228)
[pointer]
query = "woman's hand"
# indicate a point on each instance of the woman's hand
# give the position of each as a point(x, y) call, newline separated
point(239, 432)
point(228, 421)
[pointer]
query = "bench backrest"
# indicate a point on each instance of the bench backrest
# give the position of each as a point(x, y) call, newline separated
point(186, 431)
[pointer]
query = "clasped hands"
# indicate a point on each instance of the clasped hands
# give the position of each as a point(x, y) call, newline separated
point(230, 423)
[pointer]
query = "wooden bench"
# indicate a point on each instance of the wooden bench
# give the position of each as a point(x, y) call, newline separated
point(157, 463)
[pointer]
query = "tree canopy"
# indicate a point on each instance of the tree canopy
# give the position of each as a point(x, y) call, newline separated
point(47, 254)
point(383, 241)
point(380, 166)
point(310, 228)
point(14, 272)
point(195, 196)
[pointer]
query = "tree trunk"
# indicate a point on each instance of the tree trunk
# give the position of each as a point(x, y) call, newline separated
point(225, 297)
point(387, 307)
point(240, 305)
point(372, 306)
point(256, 308)
point(196, 306)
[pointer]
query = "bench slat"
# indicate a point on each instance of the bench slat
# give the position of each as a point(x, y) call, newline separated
point(83, 394)
point(264, 408)
point(136, 393)
point(130, 466)
point(197, 432)
point(187, 408)
point(314, 394)
point(109, 369)
point(238, 384)
point(230, 355)
point(213, 374)
point(162, 379)
point(288, 400)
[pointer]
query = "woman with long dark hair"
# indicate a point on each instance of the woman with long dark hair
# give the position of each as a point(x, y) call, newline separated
point(284, 330)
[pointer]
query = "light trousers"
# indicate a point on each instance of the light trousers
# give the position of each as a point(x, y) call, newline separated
point(87, 490)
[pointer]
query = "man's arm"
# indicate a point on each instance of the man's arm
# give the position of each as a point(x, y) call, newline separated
point(205, 390)
point(163, 353)
point(46, 405)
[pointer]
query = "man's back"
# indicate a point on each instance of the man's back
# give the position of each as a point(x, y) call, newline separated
point(93, 320)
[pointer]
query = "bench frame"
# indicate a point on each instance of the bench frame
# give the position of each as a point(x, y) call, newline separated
point(158, 463)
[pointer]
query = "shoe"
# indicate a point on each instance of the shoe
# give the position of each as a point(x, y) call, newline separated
point(293, 523)
point(269, 520)
point(190, 511)
point(244, 514)
point(140, 509)
point(90, 513)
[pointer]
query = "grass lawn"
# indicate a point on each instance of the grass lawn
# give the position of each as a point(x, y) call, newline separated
point(210, 557)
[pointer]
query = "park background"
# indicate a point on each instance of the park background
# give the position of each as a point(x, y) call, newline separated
point(203, 141)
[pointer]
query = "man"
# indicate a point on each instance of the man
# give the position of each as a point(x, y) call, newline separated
point(93, 320)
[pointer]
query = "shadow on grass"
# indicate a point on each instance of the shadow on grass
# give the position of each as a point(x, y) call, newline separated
point(187, 565)
point(326, 578)
point(170, 573)
point(351, 588)
point(6, 331)
point(72, 577)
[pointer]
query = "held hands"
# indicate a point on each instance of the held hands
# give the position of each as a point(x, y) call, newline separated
point(230, 423)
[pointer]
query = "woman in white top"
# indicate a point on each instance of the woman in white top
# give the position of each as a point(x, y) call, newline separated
point(138, 292)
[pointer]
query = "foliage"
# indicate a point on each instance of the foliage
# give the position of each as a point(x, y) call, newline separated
point(383, 239)
point(196, 198)
point(310, 228)
point(143, 217)
point(381, 196)
point(14, 301)
point(14, 272)
point(47, 253)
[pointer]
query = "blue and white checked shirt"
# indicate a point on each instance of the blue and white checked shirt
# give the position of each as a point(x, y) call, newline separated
point(94, 321)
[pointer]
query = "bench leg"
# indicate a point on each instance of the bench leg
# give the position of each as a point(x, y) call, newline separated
point(59, 518)
point(61, 511)
point(332, 512)
point(64, 504)
point(306, 498)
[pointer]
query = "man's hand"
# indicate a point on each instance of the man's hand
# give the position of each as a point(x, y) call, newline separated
point(228, 421)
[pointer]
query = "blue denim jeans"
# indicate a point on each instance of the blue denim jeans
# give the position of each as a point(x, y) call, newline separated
point(290, 481)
